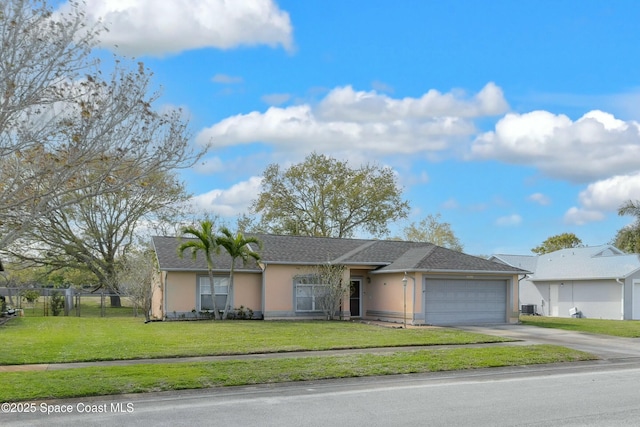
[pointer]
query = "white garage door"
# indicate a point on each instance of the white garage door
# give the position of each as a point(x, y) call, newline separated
point(459, 301)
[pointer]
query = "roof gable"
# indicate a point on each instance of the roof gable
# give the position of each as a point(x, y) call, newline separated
point(443, 259)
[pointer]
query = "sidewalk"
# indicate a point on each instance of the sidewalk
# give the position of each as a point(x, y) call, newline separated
point(196, 359)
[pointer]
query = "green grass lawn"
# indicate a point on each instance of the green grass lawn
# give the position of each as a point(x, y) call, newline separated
point(72, 339)
point(175, 376)
point(619, 328)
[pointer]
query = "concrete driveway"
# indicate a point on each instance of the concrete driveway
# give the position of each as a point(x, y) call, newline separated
point(604, 346)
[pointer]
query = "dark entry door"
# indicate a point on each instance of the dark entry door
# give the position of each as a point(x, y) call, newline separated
point(354, 298)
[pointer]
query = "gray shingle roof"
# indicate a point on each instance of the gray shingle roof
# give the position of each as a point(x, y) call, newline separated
point(587, 263)
point(304, 249)
point(526, 262)
point(448, 260)
point(595, 262)
point(387, 255)
point(167, 254)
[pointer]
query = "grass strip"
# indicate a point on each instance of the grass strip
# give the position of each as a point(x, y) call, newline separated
point(618, 328)
point(72, 339)
point(100, 381)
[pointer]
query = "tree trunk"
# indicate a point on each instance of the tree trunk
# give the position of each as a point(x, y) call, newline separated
point(216, 312)
point(229, 291)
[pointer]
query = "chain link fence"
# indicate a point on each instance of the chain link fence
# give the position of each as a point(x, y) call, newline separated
point(35, 302)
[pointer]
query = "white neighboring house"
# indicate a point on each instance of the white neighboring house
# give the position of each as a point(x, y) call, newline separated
point(599, 282)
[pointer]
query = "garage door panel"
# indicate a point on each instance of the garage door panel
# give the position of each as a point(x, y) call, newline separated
point(456, 301)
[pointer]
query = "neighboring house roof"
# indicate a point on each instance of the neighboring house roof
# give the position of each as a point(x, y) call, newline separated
point(526, 262)
point(385, 255)
point(587, 263)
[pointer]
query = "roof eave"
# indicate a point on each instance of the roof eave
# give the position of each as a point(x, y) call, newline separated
point(437, 270)
point(217, 270)
point(373, 264)
point(576, 279)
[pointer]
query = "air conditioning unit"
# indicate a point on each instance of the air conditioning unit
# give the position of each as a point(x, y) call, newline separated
point(528, 309)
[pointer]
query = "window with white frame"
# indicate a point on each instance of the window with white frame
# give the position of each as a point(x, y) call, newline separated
point(309, 293)
point(205, 296)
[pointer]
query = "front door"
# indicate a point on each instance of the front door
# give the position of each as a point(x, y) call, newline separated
point(354, 297)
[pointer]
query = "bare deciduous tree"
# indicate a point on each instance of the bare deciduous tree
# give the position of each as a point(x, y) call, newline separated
point(67, 133)
point(39, 57)
point(335, 288)
point(135, 279)
point(99, 230)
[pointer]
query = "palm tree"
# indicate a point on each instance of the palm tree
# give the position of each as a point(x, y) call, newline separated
point(630, 208)
point(205, 241)
point(237, 247)
point(628, 237)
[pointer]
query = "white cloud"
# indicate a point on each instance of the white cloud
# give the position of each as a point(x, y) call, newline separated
point(509, 220)
point(578, 216)
point(602, 197)
point(406, 177)
point(209, 166)
point(609, 194)
point(593, 147)
point(365, 122)
point(230, 202)
point(344, 103)
point(152, 27)
point(540, 199)
point(226, 79)
point(451, 204)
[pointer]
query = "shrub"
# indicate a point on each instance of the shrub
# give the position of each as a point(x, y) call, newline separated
point(243, 313)
point(31, 295)
point(57, 303)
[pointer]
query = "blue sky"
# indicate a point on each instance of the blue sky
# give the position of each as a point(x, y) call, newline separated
point(515, 120)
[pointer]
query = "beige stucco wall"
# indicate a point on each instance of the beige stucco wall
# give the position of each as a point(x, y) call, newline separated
point(382, 294)
point(513, 296)
point(385, 298)
point(178, 293)
point(279, 297)
point(247, 291)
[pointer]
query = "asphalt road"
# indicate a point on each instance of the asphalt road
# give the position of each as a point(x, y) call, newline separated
point(601, 393)
point(596, 393)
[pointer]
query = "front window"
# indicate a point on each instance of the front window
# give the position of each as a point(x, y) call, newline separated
point(205, 296)
point(309, 293)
